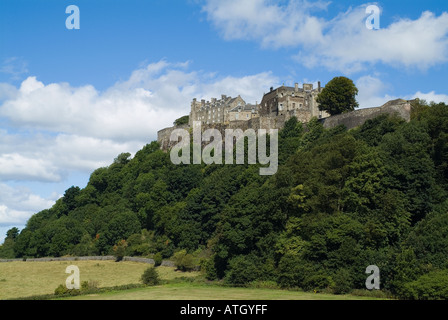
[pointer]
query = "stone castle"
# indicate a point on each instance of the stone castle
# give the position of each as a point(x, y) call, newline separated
point(283, 101)
point(276, 107)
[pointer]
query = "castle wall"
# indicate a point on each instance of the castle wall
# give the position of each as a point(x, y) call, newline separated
point(353, 119)
point(163, 136)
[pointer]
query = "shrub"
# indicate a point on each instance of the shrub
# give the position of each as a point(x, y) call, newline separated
point(62, 290)
point(242, 270)
point(318, 282)
point(90, 285)
point(181, 121)
point(150, 277)
point(158, 259)
point(120, 250)
point(293, 270)
point(208, 266)
point(184, 261)
point(430, 286)
point(343, 281)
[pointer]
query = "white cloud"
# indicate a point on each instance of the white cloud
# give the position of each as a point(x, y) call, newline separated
point(14, 166)
point(373, 92)
point(7, 91)
point(342, 43)
point(152, 98)
point(431, 96)
point(56, 128)
point(273, 24)
point(18, 204)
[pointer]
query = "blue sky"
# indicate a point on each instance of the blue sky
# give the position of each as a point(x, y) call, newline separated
point(71, 100)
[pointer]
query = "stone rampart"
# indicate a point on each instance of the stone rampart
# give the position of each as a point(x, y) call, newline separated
point(350, 120)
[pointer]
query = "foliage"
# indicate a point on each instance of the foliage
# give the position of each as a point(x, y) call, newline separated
point(184, 261)
point(150, 277)
point(158, 258)
point(340, 201)
point(430, 286)
point(243, 270)
point(181, 121)
point(120, 250)
point(338, 96)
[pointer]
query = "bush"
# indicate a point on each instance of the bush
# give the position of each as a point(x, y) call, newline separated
point(208, 266)
point(90, 285)
point(181, 121)
point(343, 281)
point(242, 270)
point(120, 250)
point(62, 290)
point(430, 286)
point(158, 259)
point(150, 277)
point(318, 282)
point(184, 261)
point(292, 271)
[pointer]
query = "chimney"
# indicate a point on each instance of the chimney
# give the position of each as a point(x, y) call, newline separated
point(272, 89)
point(223, 97)
point(296, 87)
point(203, 102)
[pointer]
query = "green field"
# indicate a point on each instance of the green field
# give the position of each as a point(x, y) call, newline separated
point(187, 291)
point(24, 279)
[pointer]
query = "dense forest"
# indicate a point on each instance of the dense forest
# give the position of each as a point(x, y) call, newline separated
point(340, 201)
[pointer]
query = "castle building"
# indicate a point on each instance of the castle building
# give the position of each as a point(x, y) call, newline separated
point(215, 111)
point(283, 102)
point(292, 101)
point(243, 112)
point(276, 107)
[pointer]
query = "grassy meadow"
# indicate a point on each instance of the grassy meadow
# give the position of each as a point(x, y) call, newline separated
point(24, 279)
point(188, 291)
point(21, 279)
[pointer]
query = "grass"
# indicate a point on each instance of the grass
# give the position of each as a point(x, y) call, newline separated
point(25, 279)
point(194, 291)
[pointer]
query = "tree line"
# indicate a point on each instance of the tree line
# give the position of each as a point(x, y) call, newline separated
point(340, 201)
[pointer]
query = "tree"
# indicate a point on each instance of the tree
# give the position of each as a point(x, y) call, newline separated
point(181, 121)
point(338, 96)
point(12, 233)
point(150, 277)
